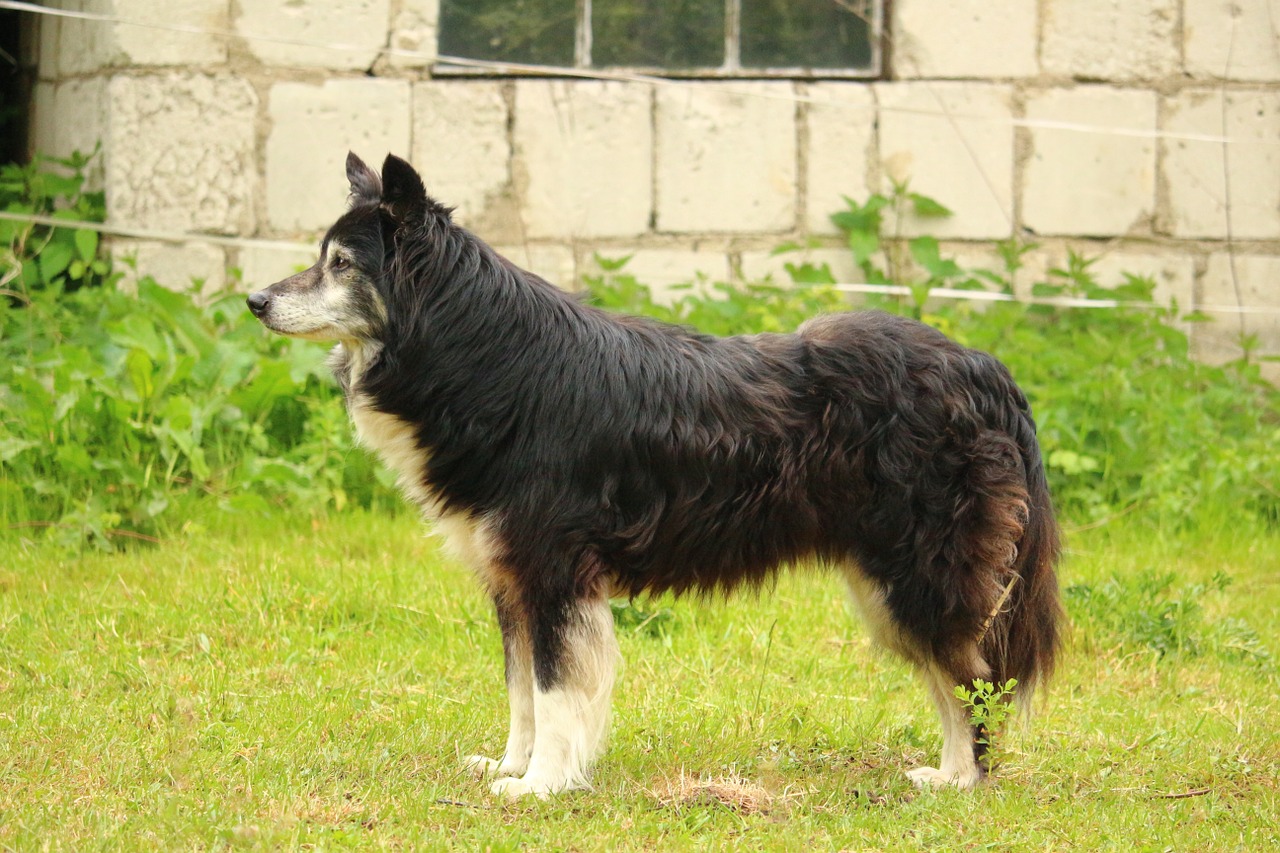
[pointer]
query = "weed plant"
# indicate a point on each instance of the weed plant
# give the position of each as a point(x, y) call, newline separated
point(990, 706)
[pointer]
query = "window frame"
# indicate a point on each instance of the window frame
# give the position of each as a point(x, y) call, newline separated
point(730, 70)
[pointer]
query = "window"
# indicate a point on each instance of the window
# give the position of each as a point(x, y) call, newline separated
point(693, 38)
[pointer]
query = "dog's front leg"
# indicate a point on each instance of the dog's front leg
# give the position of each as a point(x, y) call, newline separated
point(518, 660)
point(575, 655)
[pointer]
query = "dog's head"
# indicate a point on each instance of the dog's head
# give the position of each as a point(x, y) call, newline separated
point(343, 297)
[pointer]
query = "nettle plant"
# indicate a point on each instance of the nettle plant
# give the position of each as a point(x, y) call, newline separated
point(874, 233)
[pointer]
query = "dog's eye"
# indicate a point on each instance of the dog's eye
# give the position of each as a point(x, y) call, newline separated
point(340, 263)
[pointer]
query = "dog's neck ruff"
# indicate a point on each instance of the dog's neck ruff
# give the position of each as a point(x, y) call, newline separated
point(393, 439)
point(350, 362)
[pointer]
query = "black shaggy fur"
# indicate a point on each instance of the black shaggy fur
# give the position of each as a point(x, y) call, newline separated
point(613, 452)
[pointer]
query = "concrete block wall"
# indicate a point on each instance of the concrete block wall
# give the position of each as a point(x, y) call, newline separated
point(1093, 125)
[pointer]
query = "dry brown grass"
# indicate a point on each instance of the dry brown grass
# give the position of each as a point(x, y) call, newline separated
point(733, 793)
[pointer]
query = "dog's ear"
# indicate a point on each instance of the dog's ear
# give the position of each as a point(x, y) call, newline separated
point(366, 186)
point(403, 194)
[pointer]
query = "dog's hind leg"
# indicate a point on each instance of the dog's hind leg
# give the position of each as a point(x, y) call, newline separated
point(575, 656)
point(961, 752)
point(959, 765)
point(518, 659)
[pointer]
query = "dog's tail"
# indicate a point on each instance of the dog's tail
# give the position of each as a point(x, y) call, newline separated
point(1021, 634)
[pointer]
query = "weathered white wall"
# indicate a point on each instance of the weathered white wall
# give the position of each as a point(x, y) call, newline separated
point(224, 133)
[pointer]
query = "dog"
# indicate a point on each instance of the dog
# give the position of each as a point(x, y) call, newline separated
point(571, 455)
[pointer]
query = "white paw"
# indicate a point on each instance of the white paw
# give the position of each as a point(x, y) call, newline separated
point(513, 787)
point(932, 777)
point(481, 766)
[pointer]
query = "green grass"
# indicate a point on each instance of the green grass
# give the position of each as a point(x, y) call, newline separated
point(276, 683)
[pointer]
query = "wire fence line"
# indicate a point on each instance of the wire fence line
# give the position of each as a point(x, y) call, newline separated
point(158, 235)
point(178, 237)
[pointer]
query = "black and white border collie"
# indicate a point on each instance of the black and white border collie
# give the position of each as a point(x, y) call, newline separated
point(571, 455)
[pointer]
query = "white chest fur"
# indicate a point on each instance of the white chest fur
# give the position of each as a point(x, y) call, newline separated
point(396, 443)
point(393, 439)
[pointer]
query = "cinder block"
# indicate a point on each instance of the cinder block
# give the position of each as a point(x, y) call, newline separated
point(726, 160)
point(673, 273)
point(262, 264)
point(1231, 39)
point(840, 119)
point(952, 142)
point(549, 261)
point(180, 152)
point(153, 46)
point(1090, 181)
point(1110, 39)
point(413, 34)
point(73, 46)
point(583, 158)
point(48, 36)
point(995, 38)
point(1196, 173)
point(43, 136)
point(345, 34)
point(312, 129)
point(460, 144)
point(1254, 277)
point(177, 266)
point(53, 134)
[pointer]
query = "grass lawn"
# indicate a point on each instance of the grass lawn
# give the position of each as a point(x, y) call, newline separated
point(286, 683)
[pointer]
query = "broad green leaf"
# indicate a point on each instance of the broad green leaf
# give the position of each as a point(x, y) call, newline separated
point(10, 447)
point(141, 372)
point(808, 273)
point(86, 243)
point(612, 264)
point(139, 330)
point(928, 207)
point(926, 253)
point(863, 245)
point(73, 458)
point(54, 260)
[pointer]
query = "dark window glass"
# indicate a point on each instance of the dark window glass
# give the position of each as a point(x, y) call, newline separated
point(805, 34)
point(701, 37)
point(534, 32)
point(657, 33)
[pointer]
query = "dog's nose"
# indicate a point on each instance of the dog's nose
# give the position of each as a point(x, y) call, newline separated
point(258, 302)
